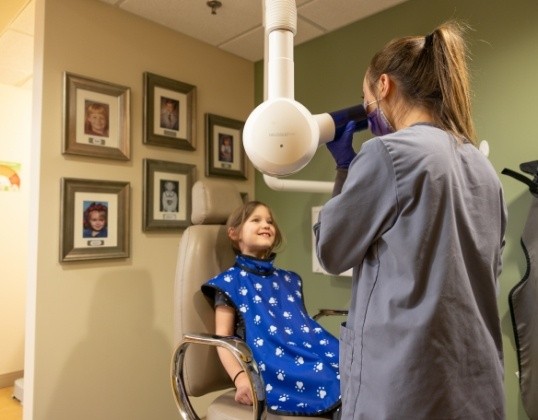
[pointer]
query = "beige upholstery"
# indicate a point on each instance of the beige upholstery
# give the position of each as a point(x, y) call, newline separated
point(204, 252)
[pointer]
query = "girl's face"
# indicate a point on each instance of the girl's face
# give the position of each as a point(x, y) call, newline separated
point(98, 121)
point(257, 234)
point(97, 220)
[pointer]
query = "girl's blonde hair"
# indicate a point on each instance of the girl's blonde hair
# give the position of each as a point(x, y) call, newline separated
point(431, 71)
point(240, 215)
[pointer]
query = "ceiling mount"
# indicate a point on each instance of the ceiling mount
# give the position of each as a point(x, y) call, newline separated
point(214, 5)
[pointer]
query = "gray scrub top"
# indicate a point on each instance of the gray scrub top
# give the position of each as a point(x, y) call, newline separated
point(421, 220)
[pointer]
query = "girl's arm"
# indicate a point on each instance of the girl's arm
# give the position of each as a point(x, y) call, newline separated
point(224, 325)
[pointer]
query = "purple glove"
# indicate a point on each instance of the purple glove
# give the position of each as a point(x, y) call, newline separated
point(341, 147)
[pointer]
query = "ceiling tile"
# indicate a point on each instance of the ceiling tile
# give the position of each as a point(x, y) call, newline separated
point(25, 21)
point(334, 14)
point(194, 18)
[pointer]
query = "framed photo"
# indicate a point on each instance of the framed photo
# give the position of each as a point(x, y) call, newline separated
point(95, 218)
point(169, 112)
point(224, 148)
point(167, 194)
point(96, 118)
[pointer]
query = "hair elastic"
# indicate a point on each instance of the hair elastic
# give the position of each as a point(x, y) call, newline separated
point(237, 374)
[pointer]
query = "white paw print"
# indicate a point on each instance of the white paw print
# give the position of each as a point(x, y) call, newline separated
point(261, 365)
point(318, 330)
point(258, 287)
point(243, 273)
point(288, 330)
point(298, 294)
point(243, 291)
point(268, 388)
point(280, 374)
point(335, 365)
point(279, 352)
point(299, 386)
point(228, 278)
point(271, 313)
point(284, 398)
point(302, 405)
point(299, 360)
point(323, 342)
point(243, 308)
point(305, 329)
point(258, 342)
point(287, 278)
point(291, 343)
point(275, 285)
point(318, 366)
point(321, 392)
point(287, 315)
point(273, 301)
point(291, 298)
point(257, 299)
point(330, 354)
point(272, 330)
point(307, 345)
point(257, 319)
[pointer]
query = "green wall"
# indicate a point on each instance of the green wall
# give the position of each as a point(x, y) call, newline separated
point(328, 76)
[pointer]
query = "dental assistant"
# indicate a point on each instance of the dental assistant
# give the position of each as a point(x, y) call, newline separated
point(419, 214)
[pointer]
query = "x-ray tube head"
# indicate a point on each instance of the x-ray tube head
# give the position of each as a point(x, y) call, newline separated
point(280, 137)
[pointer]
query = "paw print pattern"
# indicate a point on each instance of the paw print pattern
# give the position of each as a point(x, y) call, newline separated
point(258, 342)
point(318, 330)
point(258, 287)
point(307, 345)
point(324, 342)
point(268, 388)
point(321, 393)
point(330, 354)
point(228, 278)
point(284, 398)
point(276, 286)
point(243, 308)
point(305, 328)
point(299, 386)
point(243, 291)
point(288, 330)
point(299, 360)
point(261, 365)
point(287, 315)
point(291, 298)
point(257, 299)
point(273, 301)
point(272, 330)
point(280, 375)
point(318, 367)
point(243, 273)
point(279, 352)
point(298, 294)
point(287, 278)
point(257, 319)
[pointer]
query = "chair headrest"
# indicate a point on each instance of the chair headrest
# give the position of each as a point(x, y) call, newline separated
point(213, 201)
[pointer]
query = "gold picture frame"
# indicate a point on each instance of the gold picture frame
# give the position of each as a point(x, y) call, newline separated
point(96, 117)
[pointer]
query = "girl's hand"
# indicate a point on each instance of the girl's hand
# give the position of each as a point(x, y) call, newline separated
point(243, 393)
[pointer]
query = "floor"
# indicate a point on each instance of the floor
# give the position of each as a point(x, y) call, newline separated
point(10, 408)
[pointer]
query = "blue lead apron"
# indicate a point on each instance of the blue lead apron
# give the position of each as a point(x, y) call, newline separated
point(298, 359)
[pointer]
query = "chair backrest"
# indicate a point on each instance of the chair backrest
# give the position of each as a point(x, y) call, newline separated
point(204, 251)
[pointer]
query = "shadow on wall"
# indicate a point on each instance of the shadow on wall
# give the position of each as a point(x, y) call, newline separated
point(121, 342)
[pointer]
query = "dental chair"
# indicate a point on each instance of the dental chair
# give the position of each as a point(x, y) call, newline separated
point(204, 252)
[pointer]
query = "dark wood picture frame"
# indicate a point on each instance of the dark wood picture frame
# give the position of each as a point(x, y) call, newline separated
point(167, 195)
point(225, 155)
point(169, 112)
point(83, 203)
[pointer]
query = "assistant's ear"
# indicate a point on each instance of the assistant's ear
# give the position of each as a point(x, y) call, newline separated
point(384, 85)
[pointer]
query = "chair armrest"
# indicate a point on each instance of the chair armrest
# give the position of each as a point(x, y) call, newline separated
point(330, 312)
point(240, 351)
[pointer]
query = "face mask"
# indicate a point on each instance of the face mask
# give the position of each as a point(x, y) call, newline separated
point(377, 122)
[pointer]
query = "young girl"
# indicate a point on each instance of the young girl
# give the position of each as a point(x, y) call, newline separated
point(262, 304)
point(95, 221)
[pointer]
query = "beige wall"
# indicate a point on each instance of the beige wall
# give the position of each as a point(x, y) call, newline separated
point(15, 116)
point(103, 329)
